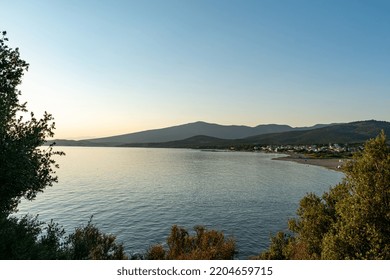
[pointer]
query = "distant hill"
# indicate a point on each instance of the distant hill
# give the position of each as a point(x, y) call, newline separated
point(206, 135)
point(354, 132)
point(78, 143)
point(184, 131)
point(195, 142)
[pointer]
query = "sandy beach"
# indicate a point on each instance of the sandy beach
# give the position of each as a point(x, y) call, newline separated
point(334, 164)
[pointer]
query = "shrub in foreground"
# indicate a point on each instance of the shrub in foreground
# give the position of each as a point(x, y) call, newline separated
point(203, 245)
point(29, 239)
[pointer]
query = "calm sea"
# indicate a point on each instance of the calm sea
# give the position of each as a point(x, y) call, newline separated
point(138, 194)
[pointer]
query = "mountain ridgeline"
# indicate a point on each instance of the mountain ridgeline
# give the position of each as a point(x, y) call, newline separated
point(193, 129)
point(206, 135)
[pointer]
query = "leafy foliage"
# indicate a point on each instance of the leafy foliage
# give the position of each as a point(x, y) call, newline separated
point(25, 239)
point(362, 230)
point(28, 238)
point(25, 169)
point(278, 248)
point(204, 245)
point(90, 243)
point(351, 221)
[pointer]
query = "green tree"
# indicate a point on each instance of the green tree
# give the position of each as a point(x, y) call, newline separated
point(362, 228)
point(278, 249)
point(204, 245)
point(26, 238)
point(29, 239)
point(351, 221)
point(25, 168)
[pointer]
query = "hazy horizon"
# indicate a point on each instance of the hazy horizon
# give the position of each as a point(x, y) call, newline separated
point(104, 68)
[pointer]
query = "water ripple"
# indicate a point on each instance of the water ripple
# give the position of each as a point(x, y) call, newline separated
point(138, 194)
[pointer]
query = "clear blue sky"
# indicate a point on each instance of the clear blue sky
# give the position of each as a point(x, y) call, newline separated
point(113, 67)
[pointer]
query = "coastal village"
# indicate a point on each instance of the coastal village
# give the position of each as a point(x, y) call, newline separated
point(331, 156)
point(330, 149)
point(321, 151)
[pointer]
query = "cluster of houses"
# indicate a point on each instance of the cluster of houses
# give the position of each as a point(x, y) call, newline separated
point(330, 148)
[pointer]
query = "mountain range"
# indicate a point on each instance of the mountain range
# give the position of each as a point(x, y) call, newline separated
point(202, 134)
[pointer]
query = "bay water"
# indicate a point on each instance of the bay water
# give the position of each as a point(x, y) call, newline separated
point(139, 193)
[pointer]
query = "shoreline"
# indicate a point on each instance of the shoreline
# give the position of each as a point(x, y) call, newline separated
point(331, 163)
